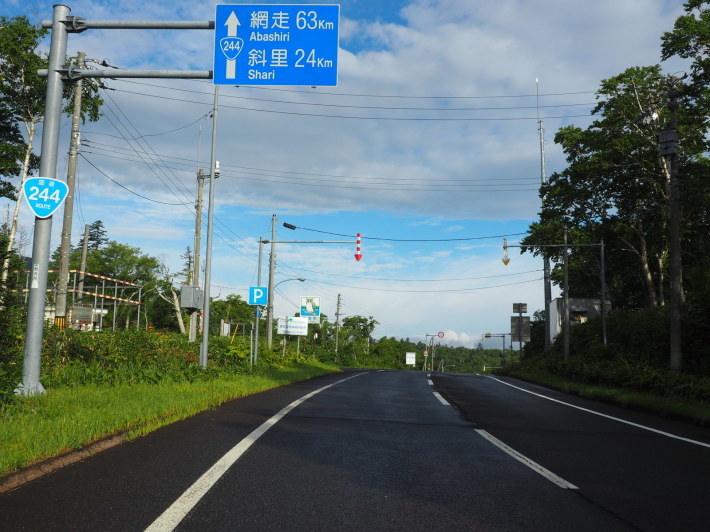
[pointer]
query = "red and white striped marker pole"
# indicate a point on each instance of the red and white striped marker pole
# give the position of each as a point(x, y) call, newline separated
point(358, 255)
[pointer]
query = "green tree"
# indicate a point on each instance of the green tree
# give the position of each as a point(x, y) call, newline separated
point(356, 335)
point(232, 309)
point(690, 39)
point(616, 187)
point(97, 235)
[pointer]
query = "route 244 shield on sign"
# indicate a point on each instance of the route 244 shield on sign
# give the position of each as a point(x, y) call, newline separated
point(44, 195)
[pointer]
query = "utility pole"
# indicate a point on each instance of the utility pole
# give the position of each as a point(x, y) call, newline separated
point(272, 265)
point(337, 326)
point(60, 306)
point(214, 173)
point(565, 255)
point(546, 261)
point(676, 297)
point(195, 315)
point(82, 268)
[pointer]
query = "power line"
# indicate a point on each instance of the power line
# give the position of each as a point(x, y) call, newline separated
point(413, 239)
point(409, 181)
point(408, 184)
point(91, 143)
point(353, 117)
point(125, 187)
point(427, 291)
point(432, 97)
point(396, 279)
point(370, 107)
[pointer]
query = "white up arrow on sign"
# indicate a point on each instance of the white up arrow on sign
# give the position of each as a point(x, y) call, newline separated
point(44, 195)
point(231, 45)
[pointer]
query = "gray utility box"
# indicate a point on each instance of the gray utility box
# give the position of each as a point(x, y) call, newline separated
point(191, 297)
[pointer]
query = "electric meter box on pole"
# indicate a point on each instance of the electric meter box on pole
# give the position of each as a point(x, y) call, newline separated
point(276, 44)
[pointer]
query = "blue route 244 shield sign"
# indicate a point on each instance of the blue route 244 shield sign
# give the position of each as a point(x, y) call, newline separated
point(44, 195)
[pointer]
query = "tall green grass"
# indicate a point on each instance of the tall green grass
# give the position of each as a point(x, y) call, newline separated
point(67, 418)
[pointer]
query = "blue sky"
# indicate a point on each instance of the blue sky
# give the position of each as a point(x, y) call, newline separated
point(431, 134)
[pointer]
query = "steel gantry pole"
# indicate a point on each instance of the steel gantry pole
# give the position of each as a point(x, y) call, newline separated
point(31, 384)
point(61, 25)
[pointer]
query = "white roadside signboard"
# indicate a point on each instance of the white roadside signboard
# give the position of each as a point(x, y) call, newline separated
point(292, 326)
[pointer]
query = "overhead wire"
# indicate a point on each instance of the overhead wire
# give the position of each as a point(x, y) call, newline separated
point(370, 107)
point(385, 182)
point(354, 117)
point(474, 289)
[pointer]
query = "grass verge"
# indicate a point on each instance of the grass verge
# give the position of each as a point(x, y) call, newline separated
point(36, 428)
point(636, 400)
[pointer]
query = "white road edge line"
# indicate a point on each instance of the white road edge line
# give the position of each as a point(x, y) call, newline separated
point(644, 427)
point(549, 475)
point(177, 511)
point(431, 382)
point(441, 399)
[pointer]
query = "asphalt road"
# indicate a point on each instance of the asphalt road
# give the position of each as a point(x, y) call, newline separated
point(379, 450)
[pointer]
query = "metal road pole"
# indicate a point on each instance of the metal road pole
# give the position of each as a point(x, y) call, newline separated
point(60, 307)
point(520, 333)
point(208, 251)
point(603, 302)
point(272, 265)
point(140, 299)
point(565, 255)
point(195, 316)
point(258, 308)
point(82, 268)
point(30, 384)
point(337, 326)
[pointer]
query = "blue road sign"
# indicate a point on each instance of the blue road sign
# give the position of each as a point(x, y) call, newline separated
point(276, 44)
point(44, 195)
point(258, 295)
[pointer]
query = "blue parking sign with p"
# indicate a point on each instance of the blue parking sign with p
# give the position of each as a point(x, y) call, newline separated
point(258, 295)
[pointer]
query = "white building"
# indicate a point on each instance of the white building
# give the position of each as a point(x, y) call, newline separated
point(580, 310)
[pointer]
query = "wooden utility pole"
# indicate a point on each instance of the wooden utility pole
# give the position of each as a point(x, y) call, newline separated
point(60, 306)
point(669, 147)
point(195, 315)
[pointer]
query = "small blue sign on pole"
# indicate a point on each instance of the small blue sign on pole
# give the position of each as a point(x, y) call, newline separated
point(258, 295)
point(44, 195)
point(276, 44)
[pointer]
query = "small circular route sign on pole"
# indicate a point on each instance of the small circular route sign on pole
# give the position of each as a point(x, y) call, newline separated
point(441, 334)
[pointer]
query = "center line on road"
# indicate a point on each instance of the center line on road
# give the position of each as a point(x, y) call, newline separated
point(644, 427)
point(549, 475)
point(443, 401)
point(177, 511)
